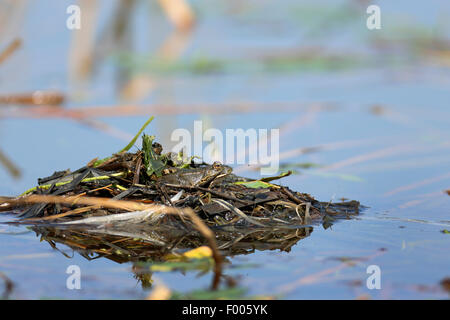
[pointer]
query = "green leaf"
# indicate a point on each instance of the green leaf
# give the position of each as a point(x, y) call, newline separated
point(133, 141)
point(129, 145)
point(152, 162)
point(255, 184)
point(263, 182)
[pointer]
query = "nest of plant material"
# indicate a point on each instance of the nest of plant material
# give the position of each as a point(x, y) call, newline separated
point(136, 205)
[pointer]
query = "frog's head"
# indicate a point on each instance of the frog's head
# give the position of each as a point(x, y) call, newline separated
point(214, 171)
point(218, 168)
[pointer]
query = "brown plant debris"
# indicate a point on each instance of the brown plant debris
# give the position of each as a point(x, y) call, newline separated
point(143, 205)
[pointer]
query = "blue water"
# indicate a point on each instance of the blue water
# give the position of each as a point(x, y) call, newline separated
point(398, 163)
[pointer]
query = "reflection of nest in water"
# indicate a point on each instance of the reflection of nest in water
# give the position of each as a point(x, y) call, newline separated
point(124, 241)
point(151, 244)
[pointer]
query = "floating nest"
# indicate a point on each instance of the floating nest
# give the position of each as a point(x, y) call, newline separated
point(143, 205)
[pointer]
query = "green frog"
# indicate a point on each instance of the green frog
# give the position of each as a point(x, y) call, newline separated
point(196, 177)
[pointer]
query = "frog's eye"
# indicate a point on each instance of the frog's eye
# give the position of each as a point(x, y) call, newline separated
point(217, 165)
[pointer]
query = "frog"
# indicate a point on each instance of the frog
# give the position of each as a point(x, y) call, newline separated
point(196, 177)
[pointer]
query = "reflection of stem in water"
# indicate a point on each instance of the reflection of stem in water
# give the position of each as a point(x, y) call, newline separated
point(10, 49)
point(36, 98)
point(86, 53)
point(419, 184)
point(174, 45)
point(105, 128)
point(170, 51)
point(122, 36)
point(140, 85)
point(12, 14)
point(9, 285)
point(179, 13)
point(172, 109)
point(10, 166)
point(111, 33)
point(320, 276)
point(81, 48)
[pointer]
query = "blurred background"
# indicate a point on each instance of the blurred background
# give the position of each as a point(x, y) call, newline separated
point(363, 114)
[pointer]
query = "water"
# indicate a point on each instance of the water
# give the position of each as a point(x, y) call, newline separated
point(393, 157)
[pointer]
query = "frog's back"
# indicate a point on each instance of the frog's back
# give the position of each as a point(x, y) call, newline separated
point(183, 177)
